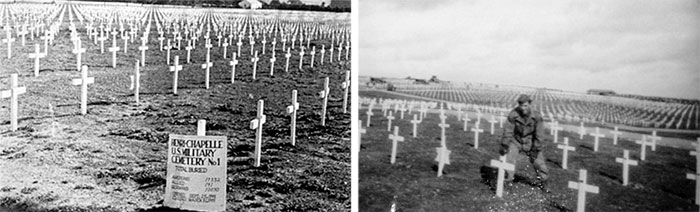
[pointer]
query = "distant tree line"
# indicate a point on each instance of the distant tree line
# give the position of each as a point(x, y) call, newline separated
point(274, 4)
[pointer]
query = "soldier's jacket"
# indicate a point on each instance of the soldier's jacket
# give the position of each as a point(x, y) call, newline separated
point(526, 131)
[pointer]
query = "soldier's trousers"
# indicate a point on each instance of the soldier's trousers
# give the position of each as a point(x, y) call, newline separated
point(536, 158)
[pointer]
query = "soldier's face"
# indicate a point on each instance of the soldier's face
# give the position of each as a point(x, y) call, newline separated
point(525, 108)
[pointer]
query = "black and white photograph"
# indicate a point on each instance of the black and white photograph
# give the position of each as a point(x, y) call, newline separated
point(175, 105)
point(529, 105)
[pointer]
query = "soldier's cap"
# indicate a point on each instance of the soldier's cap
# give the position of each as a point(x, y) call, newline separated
point(524, 98)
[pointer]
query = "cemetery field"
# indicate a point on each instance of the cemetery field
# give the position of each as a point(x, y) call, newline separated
point(114, 158)
point(468, 183)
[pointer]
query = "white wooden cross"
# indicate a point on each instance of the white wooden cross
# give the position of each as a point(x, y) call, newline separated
point(273, 59)
point(264, 41)
point(581, 131)
point(102, 40)
point(176, 68)
point(369, 115)
point(390, 117)
point(643, 143)
point(324, 95)
point(565, 154)
point(346, 86)
point(83, 81)
point(201, 127)
point(255, 60)
point(136, 81)
point(476, 131)
point(207, 65)
point(239, 44)
point(301, 57)
point(143, 49)
point(616, 135)
point(626, 162)
point(126, 44)
point(555, 129)
point(257, 124)
point(466, 121)
point(362, 131)
point(46, 38)
point(292, 109)
point(313, 55)
point(36, 55)
point(160, 40)
point(233, 64)
point(443, 125)
point(79, 52)
point(189, 48)
point(225, 46)
point(114, 49)
point(323, 52)
point(502, 166)
point(582, 188)
point(288, 55)
point(654, 139)
point(596, 136)
point(13, 93)
point(167, 52)
point(415, 123)
point(395, 138)
point(443, 157)
point(696, 176)
point(8, 39)
point(493, 122)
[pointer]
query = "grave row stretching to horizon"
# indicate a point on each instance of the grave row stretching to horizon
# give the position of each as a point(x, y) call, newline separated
point(564, 106)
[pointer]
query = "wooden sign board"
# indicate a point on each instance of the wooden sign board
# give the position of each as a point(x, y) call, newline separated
point(196, 173)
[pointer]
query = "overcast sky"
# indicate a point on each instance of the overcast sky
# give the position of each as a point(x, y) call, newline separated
point(636, 47)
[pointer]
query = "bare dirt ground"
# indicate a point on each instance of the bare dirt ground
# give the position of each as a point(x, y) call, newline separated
point(113, 158)
point(411, 184)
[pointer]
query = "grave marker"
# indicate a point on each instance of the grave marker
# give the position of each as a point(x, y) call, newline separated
point(696, 176)
point(582, 188)
point(233, 64)
point(13, 93)
point(626, 162)
point(36, 56)
point(596, 136)
point(176, 68)
point(288, 55)
point(616, 135)
point(346, 86)
point(143, 49)
point(292, 109)
point(207, 65)
point(476, 136)
point(643, 143)
point(395, 138)
point(654, 139)
point(389, 118)
point(257, 124)
point(492, 121)
point(502, 166)
point(78, 51)
point(255, 60)
point(83, 81)
point(565, 154)
point(136, 82)
point(324, 94)
point(415, 123)
point(369, 115)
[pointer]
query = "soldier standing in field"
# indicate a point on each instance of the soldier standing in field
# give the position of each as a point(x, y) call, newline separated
point(523, 133)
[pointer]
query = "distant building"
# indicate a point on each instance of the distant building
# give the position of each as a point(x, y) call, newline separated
point(601, 92)
point(250, 4)
point(420, 82)
point(340, 3)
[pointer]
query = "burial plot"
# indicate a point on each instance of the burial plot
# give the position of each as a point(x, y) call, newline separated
point(257, 124)
point(626, 162)
point(565, 154)
point(502, 166)
point(443, 158)
point(292, 109)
